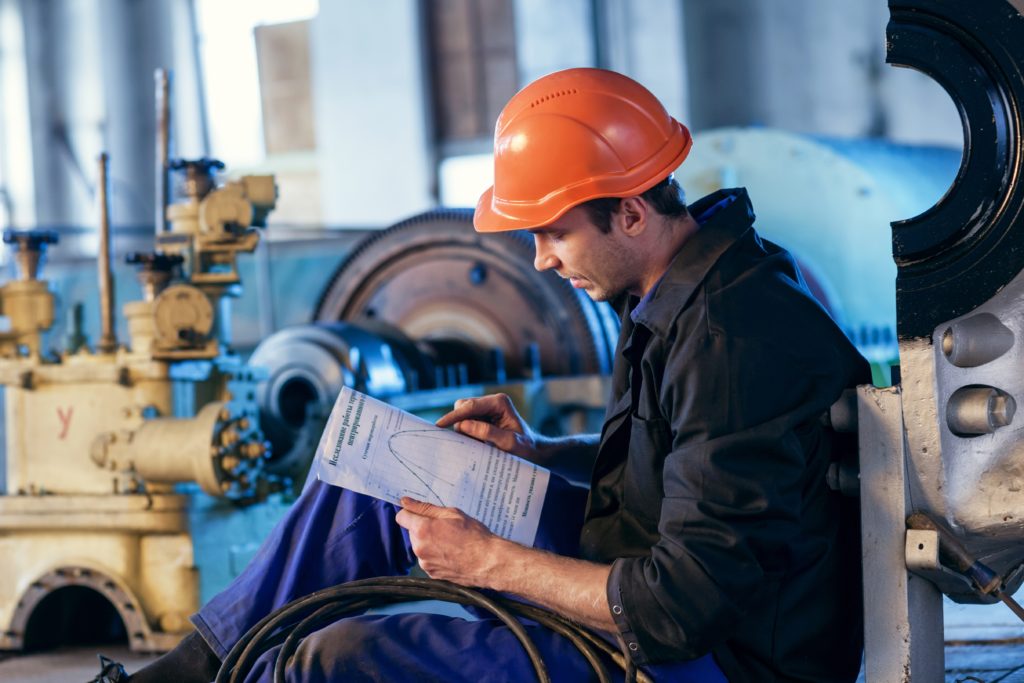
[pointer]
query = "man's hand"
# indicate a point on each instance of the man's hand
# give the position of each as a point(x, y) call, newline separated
point(494, 419)
point(450, 544)
point(455, 547)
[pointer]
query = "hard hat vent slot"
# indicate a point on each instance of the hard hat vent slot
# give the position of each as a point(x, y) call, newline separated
point(551, 96)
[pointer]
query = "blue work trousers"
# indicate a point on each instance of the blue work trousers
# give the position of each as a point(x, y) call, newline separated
point(332, 536)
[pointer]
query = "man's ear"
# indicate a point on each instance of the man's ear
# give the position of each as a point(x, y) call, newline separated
point(632, 216)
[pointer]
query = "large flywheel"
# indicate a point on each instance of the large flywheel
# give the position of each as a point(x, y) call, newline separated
point(470, 297)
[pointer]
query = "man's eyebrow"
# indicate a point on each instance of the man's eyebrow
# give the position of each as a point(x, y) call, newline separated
point(545, 230)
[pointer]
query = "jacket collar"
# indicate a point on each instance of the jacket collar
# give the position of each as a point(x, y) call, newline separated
point(696, 257)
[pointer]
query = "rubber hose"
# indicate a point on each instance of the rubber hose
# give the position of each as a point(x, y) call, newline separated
point(289, 624)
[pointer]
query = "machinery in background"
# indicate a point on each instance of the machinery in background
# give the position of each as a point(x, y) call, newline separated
point(120, 459)
point(419, 315)
point(97, 439)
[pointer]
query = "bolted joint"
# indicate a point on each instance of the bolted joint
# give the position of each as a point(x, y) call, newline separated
point(977, 410)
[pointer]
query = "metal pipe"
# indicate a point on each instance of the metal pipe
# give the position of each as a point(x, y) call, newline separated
point(220, 452)
point(162, 78)
point(108, 338)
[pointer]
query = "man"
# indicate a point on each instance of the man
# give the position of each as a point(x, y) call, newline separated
point(709, 544)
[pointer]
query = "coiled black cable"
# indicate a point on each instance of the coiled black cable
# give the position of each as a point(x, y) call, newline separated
point(289, 624)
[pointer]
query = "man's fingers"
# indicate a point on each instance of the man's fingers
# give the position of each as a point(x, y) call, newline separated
point(484, 431)
point(417, 506)
point(462, 409)
point(408, 520)
point(482, 407)
point(447, 420)
point(423, 508)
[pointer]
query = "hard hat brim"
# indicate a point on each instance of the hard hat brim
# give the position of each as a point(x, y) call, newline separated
point(488, 218)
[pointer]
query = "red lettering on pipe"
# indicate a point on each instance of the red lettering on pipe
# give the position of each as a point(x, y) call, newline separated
point(65, 421)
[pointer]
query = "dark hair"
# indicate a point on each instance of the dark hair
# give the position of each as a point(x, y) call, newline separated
point(666, 198)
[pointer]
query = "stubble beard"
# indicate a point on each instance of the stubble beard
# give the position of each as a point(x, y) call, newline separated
point(600, 294)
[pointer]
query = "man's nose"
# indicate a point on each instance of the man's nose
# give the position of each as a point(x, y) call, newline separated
point(543, 258)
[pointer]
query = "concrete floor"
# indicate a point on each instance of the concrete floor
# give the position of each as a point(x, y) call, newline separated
point(988, 663)
point(67, 665)
point(989, 643)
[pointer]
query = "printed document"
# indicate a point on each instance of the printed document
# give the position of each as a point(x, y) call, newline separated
point(371, 447)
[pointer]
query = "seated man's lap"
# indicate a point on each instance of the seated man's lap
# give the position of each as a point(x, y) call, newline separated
point(333, 536)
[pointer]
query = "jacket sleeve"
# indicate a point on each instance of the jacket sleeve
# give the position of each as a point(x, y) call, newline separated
point(734, 407)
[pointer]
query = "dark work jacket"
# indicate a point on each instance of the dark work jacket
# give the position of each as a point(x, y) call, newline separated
point(709, 493)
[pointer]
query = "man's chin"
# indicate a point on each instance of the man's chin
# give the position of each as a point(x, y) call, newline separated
point(599, 294)
point(593, 291)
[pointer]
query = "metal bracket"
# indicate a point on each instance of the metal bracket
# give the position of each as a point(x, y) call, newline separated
point(966, 248)
point(922, 552)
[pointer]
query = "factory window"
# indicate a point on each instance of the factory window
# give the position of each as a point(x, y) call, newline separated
point(250, 51)
point(474, 72)
point(473, 63)
point(462, 179)
point(286, 91)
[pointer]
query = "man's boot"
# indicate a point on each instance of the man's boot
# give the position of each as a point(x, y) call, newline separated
point(191, 661)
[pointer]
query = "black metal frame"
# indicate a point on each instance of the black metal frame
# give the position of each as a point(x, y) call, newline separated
point(967, 247)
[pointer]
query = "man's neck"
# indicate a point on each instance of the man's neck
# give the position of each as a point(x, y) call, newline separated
point(676, 232)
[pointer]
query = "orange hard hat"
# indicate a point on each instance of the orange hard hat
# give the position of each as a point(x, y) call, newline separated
point(573, 136)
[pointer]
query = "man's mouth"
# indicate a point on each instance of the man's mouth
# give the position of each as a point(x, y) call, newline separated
point(577, 282)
